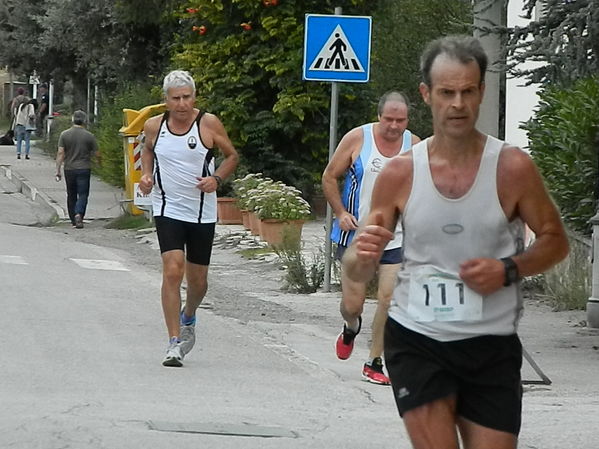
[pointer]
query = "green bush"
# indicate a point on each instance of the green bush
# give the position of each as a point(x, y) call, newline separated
point(567, 286)
point(562, 142)
point(110, 142)
point(250, 77)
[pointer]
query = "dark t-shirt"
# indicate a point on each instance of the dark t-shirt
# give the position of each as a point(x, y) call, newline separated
point(79, 147)
point(44, 101)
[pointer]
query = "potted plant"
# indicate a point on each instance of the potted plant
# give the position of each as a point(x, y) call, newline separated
point(282, 210)
point(241, 190)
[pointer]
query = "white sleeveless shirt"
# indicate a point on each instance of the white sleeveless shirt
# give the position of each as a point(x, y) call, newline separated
point(359, 184)
point(180, 160)
point(439, 234)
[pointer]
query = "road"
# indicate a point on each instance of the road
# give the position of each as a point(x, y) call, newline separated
point(83, 341)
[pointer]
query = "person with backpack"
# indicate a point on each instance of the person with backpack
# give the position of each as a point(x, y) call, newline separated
point(25, 120)
point(15, 103)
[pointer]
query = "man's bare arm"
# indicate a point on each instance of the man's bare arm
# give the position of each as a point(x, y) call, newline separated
point(522, 194)
point(59, 161)
point(150, 131)
point(537, 209)
point(218, 136)
point(336, 168)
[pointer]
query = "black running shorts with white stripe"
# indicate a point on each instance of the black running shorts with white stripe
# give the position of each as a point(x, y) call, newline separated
point(483, 373)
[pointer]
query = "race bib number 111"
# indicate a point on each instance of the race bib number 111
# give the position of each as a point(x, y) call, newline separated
point(438, 296)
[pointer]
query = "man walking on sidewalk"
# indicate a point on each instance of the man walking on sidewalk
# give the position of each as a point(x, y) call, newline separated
point(360, 157)
point(451, 343)
point(178, 168)
point(76, 148)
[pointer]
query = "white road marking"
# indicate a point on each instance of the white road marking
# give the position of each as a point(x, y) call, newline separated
point(96, 264)
point(14, 260)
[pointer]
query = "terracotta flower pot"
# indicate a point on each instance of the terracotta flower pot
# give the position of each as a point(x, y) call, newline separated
point(274, 231)
point(228, 212)
point(245, 218)
point(254, 223)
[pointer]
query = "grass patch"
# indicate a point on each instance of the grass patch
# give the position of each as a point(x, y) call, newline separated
point(127, 221)
point(303, 274)
point(253, 253)
point(4, 125)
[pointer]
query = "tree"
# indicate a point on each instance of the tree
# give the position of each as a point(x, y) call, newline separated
point(563, 143)
point(110, 41)
point(246, 58)
point(402, 30)
point(565, 38)
point(18, 33)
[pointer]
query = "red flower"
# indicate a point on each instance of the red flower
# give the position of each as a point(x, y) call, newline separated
point(270, 2)
point(201, 29)
point(192, 10)
point(247, 26)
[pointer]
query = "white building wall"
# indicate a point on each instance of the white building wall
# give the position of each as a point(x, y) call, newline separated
point(520, 100)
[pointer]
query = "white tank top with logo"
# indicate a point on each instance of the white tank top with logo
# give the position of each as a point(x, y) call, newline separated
point(180, 159)
point(439, 234)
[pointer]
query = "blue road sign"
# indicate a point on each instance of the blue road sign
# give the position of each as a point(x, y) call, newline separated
point(337, 48)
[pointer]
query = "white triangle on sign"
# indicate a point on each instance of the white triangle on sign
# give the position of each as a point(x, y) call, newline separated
point(337, 55)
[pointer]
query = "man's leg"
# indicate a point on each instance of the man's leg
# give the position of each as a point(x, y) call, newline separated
point(475, 436)
point(433, 425)
point(352, 303)
point(387, 281)
point(199, 250)
point(373, 368)
point(70, 180)
point(353, 295)
point(83, 181)
point(173, 266)
point(173, 263)
point(197, 285)
point(19, 134)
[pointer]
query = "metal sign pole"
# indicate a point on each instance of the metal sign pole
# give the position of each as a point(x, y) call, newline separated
point(328, 261)
point(50, 115)
point(329, 220)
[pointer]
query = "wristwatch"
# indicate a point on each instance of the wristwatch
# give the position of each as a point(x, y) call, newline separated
point(511, 271)
point(219, 180)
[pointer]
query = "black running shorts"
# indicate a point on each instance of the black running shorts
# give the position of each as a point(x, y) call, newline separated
point(482, 372)
point(195, 239)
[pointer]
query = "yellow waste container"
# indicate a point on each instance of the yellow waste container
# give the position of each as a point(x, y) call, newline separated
point(132, 132)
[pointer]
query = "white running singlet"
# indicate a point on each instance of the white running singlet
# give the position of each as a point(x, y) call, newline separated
point(180, 160)
point(439, 234)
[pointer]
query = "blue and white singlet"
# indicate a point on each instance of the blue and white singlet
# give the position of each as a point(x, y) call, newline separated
point(359, 183)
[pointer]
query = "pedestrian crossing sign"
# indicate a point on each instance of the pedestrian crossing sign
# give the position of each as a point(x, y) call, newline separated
point(337, 48)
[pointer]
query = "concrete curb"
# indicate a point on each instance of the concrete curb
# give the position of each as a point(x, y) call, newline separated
point(32, 192)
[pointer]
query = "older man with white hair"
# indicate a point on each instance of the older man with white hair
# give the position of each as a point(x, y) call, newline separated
point(178, 168)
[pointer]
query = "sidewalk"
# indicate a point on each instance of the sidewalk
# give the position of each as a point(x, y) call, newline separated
point(35, 178)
